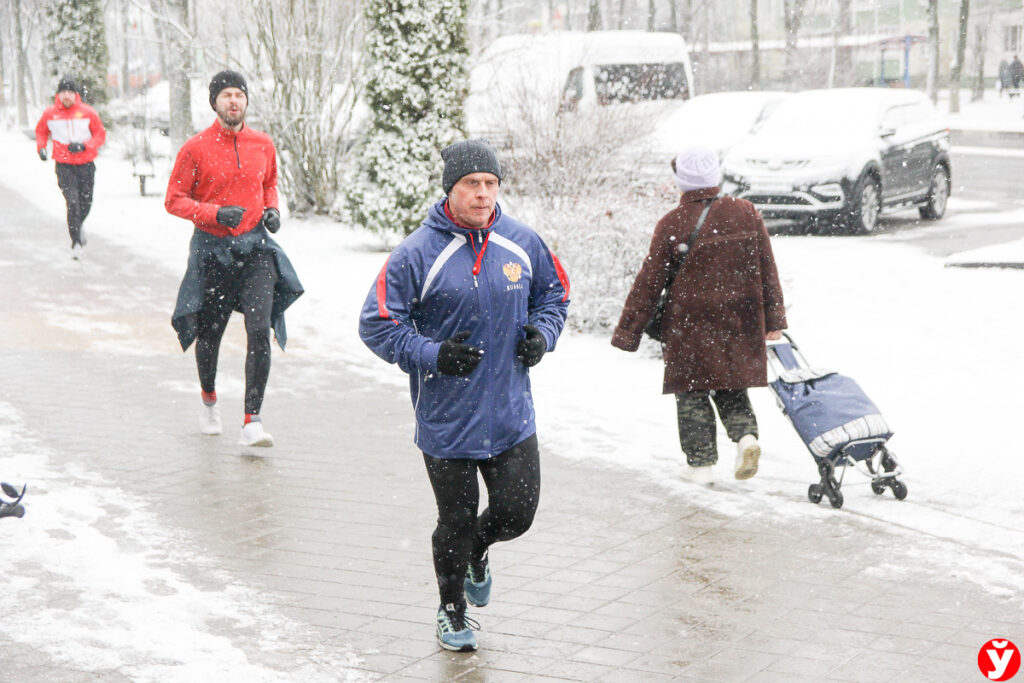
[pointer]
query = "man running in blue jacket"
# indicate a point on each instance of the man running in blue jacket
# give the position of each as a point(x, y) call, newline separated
point(466, 304)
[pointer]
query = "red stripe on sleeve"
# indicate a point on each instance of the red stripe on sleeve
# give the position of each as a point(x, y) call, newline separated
point(382, 290)
point(562, 276)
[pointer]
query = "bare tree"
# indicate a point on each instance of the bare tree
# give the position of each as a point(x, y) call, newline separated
point(594, 22)
point(176, 45)
point(844, 53)
point(793, 14)
point(932, 78)
point(755, 49)
point(21, 65)
point(980, 44)
point(958, 62)
point(304, 58)
point(651, 15)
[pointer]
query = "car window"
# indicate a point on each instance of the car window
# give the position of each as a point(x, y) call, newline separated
point(639, 82)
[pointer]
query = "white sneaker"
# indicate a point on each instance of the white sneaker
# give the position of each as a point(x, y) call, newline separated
point(747, 453)
point(253, 435)
point(209, 419)
point(77, 252)
point(704, 475)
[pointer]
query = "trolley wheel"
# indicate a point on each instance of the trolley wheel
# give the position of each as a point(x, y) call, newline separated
point(836, 499)
point(814, 493)
point(878, 486)
point(888, 464)
point(899, 489)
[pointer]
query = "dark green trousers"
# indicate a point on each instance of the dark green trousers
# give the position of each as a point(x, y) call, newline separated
point(696, 416)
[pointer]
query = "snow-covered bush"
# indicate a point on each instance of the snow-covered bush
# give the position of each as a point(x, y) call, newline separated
point(304, 77)
point(76, 44)
point(414, 59)
point(567, 176)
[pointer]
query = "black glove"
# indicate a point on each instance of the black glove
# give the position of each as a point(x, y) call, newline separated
point(42, 154)
point(531, 349)
point(271, 220)
point(230, 216)
point(76, 147)
point(458, 359)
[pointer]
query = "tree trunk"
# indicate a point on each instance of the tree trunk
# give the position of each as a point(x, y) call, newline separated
point(844, 53)
point(958, 63)
point(932, 79)
point(22, 65)
point(673, 16)
point(980, 43)
point(594, 22)
point(177, 42)
point(755, 50)
point(793, 15)
point(650, 15)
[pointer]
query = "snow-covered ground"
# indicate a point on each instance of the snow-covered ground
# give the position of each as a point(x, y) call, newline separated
point(936, 347)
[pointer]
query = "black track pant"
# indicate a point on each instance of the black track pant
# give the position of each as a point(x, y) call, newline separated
point(513, 489)
point(247, 283)
point(76, 182)
point(696, 420)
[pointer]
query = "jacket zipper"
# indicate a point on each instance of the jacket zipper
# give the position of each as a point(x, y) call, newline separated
point(238, 159)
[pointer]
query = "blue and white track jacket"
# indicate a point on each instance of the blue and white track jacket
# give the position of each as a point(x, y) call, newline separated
point(426, 293)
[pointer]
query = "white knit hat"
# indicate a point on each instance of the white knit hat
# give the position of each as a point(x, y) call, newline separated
point(696, 168)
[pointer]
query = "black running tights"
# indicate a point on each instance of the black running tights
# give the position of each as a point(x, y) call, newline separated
point(76, 182)
point(248, 284)
point(513, 489)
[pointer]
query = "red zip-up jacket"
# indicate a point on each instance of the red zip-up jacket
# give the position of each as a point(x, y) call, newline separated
point(77, 123)
point(219, 167)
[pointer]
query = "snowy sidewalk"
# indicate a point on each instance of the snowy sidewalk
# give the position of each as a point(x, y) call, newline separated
point(151, 553)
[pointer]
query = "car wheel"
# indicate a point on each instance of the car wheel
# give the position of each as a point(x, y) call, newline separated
point(938, 195)
point(865, 205)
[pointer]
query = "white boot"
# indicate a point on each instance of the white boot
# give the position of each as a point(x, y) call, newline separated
point(747, 454)
point(209, 419)
point(253, 435)
point(704, 475)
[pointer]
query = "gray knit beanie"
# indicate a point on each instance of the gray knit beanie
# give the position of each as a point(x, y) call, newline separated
point(465, 157)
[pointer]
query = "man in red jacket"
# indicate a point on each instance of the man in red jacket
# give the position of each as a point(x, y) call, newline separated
point(77, 134)
point(225, 182)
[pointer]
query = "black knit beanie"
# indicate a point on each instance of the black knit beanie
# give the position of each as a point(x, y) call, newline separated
point(67, 83)
point(227, 79)
point(465, 157)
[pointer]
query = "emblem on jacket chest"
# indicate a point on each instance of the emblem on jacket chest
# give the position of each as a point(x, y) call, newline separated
point(513, 271)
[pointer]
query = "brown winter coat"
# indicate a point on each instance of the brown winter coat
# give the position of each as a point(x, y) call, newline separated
point(725, 298)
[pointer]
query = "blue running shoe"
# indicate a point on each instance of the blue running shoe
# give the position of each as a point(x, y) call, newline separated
point(478, 582)
point(455, 629)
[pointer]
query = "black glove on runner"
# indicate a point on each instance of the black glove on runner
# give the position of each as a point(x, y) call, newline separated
point(230, 216)
point(458, 359)
point(531, 349)
point(271, 220)
point(42, 154)
point(76, 147)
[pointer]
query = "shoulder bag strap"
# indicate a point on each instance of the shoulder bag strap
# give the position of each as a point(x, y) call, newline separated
point(693, 238)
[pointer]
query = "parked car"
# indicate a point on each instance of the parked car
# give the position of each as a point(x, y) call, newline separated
point(716, 121)
point(522, 81)
point(840, 157)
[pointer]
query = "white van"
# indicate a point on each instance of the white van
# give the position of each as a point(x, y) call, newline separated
point(572, 70)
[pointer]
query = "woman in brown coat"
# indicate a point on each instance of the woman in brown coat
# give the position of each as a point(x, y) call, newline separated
point(723, 304)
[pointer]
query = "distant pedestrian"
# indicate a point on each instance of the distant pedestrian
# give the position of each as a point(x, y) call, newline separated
point(1005, 82)
point(722, 304)
point(225, 182)
point(466, 305)
point(1016, 72)
point(77, 134)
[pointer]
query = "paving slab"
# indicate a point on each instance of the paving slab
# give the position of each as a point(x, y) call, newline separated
point(329, 531)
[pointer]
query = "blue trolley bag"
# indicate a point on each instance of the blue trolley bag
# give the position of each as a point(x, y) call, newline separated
point(837, 422)
point(828, 410)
